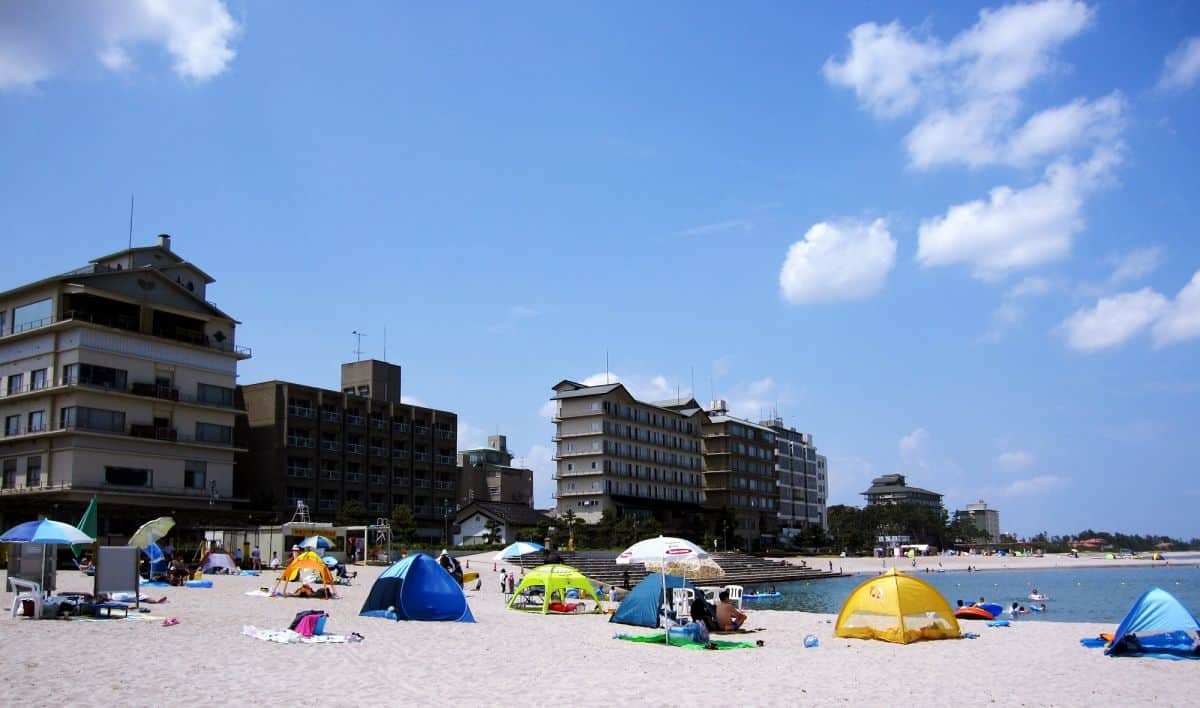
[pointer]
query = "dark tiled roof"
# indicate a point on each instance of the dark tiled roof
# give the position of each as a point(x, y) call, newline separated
point(894, 489)
point(587, 391)
point(504, 512)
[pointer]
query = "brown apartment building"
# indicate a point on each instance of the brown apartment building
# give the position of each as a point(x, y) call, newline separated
point(486, 474)
point(740, 477)
point(326, 447)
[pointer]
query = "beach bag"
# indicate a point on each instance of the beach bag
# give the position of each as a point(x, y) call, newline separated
point(301, 615)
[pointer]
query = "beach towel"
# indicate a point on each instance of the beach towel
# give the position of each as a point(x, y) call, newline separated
point(686, 644)
point(287, 636)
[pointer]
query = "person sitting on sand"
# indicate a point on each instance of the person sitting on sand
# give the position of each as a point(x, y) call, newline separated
point(703, 612)
point(729, 617)
point(178, 573)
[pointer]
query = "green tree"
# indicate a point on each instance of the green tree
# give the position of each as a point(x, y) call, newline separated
point(404, 526)
point(492, 532)
point(351, 513)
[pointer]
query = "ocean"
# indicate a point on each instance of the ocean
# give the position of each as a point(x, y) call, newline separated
point(1101, 595)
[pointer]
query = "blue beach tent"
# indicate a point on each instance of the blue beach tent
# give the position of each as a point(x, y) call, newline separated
point(641, 606)
point(417, 588)
point(1157, 625)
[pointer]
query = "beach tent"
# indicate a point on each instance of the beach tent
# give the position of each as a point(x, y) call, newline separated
point(306, 568)
point(642, 605)
point(1157, 624)
point(218, 562)
point(896, 608)
point(417, 588)
point(555, 580)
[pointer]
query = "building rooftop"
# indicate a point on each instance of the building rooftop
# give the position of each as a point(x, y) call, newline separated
point(506, 513)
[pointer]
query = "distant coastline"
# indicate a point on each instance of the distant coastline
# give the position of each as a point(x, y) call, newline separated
point(863, 565)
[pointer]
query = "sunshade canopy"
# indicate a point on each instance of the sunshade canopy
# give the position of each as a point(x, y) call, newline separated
point(1158, 623)
point(896, 608)
point(151, 531)
point(518, 548)
point(555, 580)
point(45, 531)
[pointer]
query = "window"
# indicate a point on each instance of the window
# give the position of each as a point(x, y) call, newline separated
point(10, 474)
point(218, 395)
point(15, 383)
point(129, 476)
point(92, 419)
point(35, 314)
point(364, 391)
point(37, 379)
point(33, 471)
point(37, 421)
point(213, 433)
point(348, 390)
point(194, 473)
point(91, 375)
point(570, 466)
point(12, 425)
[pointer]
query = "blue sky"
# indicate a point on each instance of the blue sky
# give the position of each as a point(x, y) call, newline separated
point(950, 240)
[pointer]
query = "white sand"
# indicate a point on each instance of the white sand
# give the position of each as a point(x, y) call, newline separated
point(511, 658)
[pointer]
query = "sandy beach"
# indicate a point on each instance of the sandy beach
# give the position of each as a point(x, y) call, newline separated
point(509, 656)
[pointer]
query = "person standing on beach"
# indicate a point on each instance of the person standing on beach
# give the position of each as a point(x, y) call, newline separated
point(256, 558)
point(625, 579)
point(512, 582)
point(503, 580)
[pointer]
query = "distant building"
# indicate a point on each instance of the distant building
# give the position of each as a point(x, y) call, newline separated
point(803, 481)
point(472, 521)
point(739, 474)
point(633, 458)
point(117, 380)
point(326, 447)
point(894, 489)
point(487, 474)
point(984, 519)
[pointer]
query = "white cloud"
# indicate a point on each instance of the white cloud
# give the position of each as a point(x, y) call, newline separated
point(470, 436)
point(1182, 66)
point(41, 39)
point(548, 409)
point(1016, 229)
point(1136, 264)
point(755, 400)
point(643, 388)
point(967, 91)
point(523, 311)
point(1016, 459)
point(913, 444)
point(1114, 320)
point(1035, 485)
point(1030, 286)
point(838, 261)
point(718, 227)
point(412, 401)
point(1181, 321)
point(1011, 310)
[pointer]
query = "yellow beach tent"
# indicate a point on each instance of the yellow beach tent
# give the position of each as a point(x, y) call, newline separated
point(308, 563)
point(554, 581)
point(896, 608)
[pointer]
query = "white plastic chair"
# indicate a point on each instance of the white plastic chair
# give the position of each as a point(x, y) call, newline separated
point(735, 594)
point(681, 602)
point(25, 590)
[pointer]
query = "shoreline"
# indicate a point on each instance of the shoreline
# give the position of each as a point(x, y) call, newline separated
point(864, 565)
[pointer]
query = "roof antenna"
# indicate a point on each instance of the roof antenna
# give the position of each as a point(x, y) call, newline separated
point(385, 342)
point(605, 367)
point(130, 221)
point(358, 344)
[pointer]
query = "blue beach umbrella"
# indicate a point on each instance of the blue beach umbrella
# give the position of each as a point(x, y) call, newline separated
point(518, 548)
point(45, 531)
point(316, 542)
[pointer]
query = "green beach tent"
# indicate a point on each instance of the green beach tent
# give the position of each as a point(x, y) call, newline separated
point(554, 581)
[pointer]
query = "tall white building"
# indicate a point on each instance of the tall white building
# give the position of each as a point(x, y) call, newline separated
point(984, 519)
point(117, 380)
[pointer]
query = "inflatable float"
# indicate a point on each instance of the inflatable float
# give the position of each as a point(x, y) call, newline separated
point(1038, 597)
point(995, 609)
point(761, 595)
point(973, 613)
point(198, 583)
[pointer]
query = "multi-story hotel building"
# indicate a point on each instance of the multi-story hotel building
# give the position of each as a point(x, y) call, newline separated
point(486, 474)
point(360, 443)
point(985, 519)
point(117, 380)
point(803, 481)
point(632, 458)
point(894, 489)
point(739, 475)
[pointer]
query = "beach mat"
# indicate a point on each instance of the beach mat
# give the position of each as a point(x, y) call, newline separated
point(287, 636)
point(684, 643)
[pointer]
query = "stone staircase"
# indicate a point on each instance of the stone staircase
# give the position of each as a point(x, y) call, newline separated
point(740, 569)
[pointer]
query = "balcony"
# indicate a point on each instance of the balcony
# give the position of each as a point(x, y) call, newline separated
point(300, 411)
point(377, 507)
point(377, 479)
point(167, 393)
point(355, 419)
point(303, 472)
point(399, 454)
point(421, 429)
point(378, 451)
point(401, 480)
point(327, 505)
point(299, 441)
point(152, 432)
point(356, 448)
point(331, 416)
point(445, 434)
point(354, 476)
point(399, 427)
point(379, 423)
point(330, 445)
point(444, 485)
point(333, 475)
point(443, 459)
point(421, 483)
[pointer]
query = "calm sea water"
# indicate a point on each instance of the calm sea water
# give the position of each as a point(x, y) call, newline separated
point(1076, 595)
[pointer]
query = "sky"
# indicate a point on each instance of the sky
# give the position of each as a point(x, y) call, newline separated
point(955, 241)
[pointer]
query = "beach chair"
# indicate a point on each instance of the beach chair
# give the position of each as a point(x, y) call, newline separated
point(23, 590)
point(735, 594)
point(681, 602)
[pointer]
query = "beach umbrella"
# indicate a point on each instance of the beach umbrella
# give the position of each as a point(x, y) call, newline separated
point(45, 531)
point(151, 531)
point(316, 542)
point(330, 561)
point(665, 553)
point(518, 548)
point(692, 569)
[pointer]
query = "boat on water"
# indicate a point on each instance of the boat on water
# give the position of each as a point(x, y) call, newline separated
point(970, 612)
point(1038, 597)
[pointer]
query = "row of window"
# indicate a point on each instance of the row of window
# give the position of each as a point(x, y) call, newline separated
point(16, 382)
point(636, 452)
point(195, 474)
point(33, 472)
point(751, 433)
point(751, 502)
point(651, 436)
point(653, 491)
point(28, 316)
point(110, 378)
point(303, 408)
point(658, 420)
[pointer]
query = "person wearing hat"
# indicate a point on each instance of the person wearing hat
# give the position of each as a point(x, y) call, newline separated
point(295, 552)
